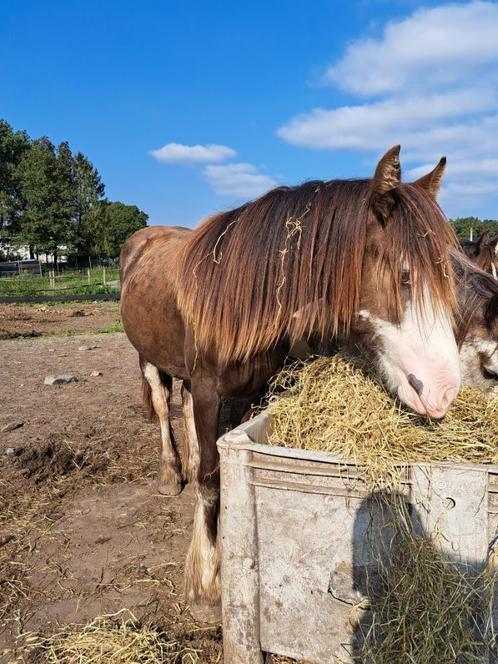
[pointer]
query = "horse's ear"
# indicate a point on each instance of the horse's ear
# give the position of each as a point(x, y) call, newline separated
point(482, 241)
point(492, 311)
point(386, 178)
point(432, 181)
point(493, 243)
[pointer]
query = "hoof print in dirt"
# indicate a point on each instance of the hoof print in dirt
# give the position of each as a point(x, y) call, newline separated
point(93, 347)
point(60, 379)
point(54, 458)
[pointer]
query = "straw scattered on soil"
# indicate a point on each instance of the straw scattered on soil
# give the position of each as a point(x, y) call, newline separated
point(119, 638)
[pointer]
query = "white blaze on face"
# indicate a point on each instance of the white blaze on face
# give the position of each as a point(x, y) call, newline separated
point(419, 358)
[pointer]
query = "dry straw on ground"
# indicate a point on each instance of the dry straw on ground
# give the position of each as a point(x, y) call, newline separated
point(114, 639)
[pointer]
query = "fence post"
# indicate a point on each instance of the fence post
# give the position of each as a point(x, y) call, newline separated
point(88, 275)
point(103, 276)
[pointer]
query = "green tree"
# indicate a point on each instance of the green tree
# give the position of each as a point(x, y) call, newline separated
point(490, 225)
point(47, 190)
point(112, 223)
point(64, 201)
point(89, 191)
point(466, 227)
point(13, 146)
point(35, 173)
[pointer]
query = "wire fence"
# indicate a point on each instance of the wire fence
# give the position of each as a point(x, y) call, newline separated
point(84, 281)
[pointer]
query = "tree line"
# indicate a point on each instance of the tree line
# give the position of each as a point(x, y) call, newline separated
point(53, 201)
point(471, 228)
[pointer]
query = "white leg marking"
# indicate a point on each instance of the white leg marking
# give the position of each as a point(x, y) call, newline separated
point(192, 444)
point(169, 475)
point(202, 568)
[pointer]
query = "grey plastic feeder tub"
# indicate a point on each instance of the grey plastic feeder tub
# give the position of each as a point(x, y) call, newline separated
point(293, 526)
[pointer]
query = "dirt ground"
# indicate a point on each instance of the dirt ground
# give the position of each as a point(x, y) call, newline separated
point(83, 531)
point(21, 320)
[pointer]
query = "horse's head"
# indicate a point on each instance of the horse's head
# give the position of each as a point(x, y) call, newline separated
point(405, 317)
point(477, 324)
point(479, 352)
point(483, 252)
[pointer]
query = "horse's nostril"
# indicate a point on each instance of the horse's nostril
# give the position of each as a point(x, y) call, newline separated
point(489, 375)
point(417, 384)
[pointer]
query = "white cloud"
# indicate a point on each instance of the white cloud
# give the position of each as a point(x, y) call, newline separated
point(238, 180)
point(176, 153)
point(438, 46)
point(373, 126)
point(430, 83)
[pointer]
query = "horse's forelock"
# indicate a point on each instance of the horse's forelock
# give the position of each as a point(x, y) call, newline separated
point(419, 239)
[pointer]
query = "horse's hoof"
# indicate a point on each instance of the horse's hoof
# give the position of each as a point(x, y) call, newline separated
point(169, 482)
point(206, 613)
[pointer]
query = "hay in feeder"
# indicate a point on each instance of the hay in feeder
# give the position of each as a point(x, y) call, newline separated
point(330, 404)
point(421, 606)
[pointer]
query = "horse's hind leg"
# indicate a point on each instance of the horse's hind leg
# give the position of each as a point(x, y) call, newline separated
point(191, 456)
point(161, 384)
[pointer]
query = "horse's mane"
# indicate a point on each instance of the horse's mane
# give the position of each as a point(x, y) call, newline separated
point(474, 287)
point(243, 274)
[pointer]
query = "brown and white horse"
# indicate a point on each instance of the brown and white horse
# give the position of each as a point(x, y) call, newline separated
point(476, 333)
point(375, 252)
point(483, 252)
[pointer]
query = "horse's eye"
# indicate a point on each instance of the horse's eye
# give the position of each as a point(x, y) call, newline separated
point(405, 278)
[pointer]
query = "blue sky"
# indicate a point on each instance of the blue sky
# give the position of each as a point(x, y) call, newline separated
point(191, 107)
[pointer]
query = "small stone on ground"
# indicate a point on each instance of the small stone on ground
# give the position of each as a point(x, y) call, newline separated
point(94, 374)
point(12, 426)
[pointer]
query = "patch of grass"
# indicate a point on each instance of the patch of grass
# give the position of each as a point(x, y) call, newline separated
point(117, 326)
point(69, 282)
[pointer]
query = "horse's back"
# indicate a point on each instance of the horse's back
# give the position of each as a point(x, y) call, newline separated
point(149, 309)
point(148, 239)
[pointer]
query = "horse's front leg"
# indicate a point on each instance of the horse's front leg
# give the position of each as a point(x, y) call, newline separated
point(202, 568)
